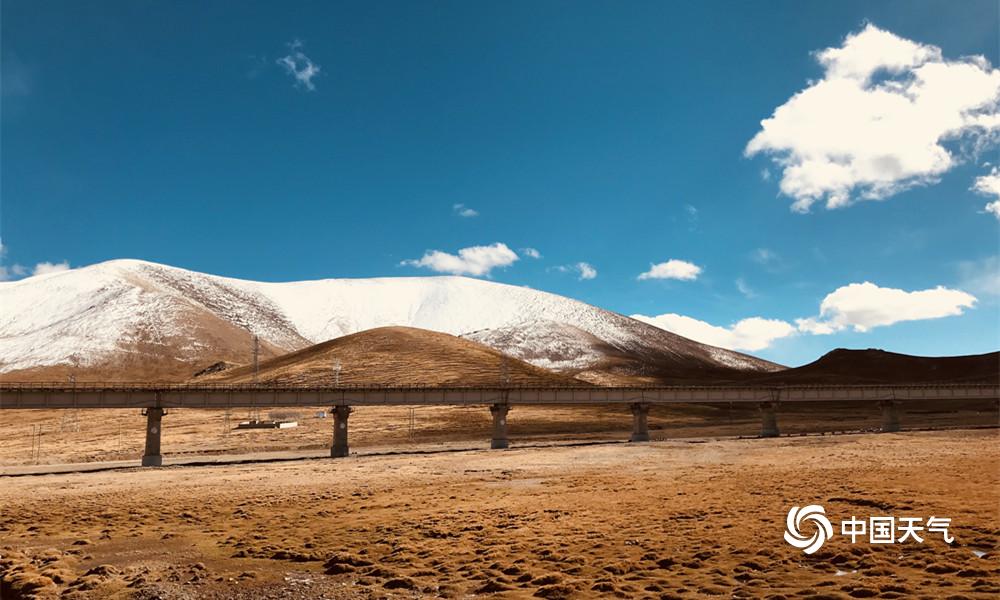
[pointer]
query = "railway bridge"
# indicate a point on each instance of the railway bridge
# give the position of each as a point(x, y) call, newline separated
point(156, 399)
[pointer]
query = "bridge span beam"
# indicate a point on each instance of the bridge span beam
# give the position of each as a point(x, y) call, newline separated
point(151, 457)
point(499, 412)
point(340, 449)
point(768, 420)
point(890, 415)
point(640, 428)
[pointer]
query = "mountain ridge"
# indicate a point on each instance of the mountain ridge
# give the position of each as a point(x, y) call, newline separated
point(132, 311)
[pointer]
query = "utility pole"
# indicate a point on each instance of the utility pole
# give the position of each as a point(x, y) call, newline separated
point(255, 412)
point(256, 357)
point(336, 373)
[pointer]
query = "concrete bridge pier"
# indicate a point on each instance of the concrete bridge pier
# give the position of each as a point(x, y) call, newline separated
point(499, 412)
point(640, 429)
point(151, 457)
point(339, 449)
point(890, 415)
point(768, 420)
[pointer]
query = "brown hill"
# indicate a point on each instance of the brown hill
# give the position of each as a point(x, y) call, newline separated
point(873, 366)
point(396, 356)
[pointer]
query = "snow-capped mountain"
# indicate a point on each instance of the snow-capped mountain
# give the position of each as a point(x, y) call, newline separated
point(152, 319)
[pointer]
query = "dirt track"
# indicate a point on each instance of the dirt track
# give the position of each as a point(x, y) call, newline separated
point(653, 520)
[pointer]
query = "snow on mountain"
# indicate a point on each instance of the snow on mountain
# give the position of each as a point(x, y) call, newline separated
point(148, 312)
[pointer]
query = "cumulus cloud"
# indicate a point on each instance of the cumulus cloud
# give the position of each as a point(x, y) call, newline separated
point(875, 123)
point(858, 306)
point(989, 185)
point(586, 271)
point(44, 268)
point(582, 269)
point(464, 211)
point(475, 260)
point(299, 66)
point(754, 333)
point(672, 269)
point(16, 271)
point(862, 306)
point(531, 253)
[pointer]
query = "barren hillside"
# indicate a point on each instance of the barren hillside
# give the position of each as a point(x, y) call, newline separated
point(396, 356)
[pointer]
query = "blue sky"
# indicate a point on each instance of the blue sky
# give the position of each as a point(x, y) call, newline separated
point(605, 133)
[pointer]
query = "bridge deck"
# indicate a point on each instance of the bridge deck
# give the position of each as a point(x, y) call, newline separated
point(138, 395)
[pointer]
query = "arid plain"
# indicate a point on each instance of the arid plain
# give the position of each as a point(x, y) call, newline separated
point(679, 518)
point(423, 509)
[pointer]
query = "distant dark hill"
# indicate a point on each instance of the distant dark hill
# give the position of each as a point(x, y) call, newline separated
point(880, 367)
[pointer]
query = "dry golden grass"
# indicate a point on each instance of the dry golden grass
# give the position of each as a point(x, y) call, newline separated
point(660, 520)
point(397, 356)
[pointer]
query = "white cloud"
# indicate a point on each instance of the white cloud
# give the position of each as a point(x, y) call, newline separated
point(531, 253)
point(745, 289)
point(989, 185)
point(6, 273)
point(44, 268)
point(672, 269)
point(858, 306)
point(874, 124)
point(754, 333)
point(475, 260)
point(464, 211)
point(17, 271)
point(300, 66)
point(584, 270)
point(862, 306)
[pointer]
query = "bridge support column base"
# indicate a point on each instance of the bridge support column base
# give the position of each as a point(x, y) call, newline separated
point(890, 416)
point(499, 412)
point(768, 420)
point(640, 429)
point(151, 456)
point(340, 449)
